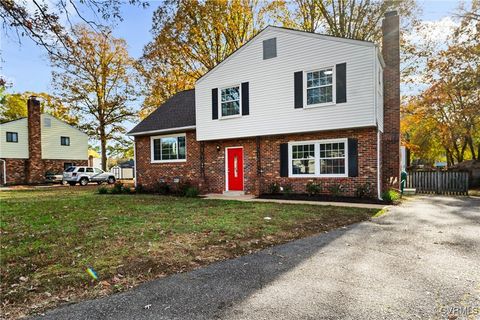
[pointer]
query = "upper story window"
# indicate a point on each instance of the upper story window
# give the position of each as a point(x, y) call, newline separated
point(65, 141)
point(47, 122)
point(324, 158)
point(230, 101)
point(170, 148)
point(319, 86)
point(12, 136)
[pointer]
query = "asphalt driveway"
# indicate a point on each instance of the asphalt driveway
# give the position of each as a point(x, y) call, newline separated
point(419, 261)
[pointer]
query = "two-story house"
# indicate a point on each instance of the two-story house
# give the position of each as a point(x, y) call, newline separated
point(288, 107)
point(32, 146)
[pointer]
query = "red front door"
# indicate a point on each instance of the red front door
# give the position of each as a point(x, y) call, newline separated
point(235, 169)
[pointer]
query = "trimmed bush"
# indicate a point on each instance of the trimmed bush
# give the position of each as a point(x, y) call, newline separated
point(141, 189)
point(273, 188)
point(102, 190)
point(191, 192)
point(162, 187)
point(117, 188)
point(313, 188)
point(336, 189)
point(391, 196)
point(364, 191)
point(287, 189)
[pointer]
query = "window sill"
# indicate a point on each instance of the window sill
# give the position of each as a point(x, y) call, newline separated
point(230, 117)
point(318, 105)
point(168, 161)
point(309, 176)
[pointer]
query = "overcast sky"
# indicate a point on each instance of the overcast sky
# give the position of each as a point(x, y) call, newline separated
point(27, 67)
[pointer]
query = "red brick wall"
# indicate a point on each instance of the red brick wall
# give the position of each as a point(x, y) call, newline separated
point(17, 169)
point(149, 173)
point(391, 119)
point(57, 166)
point(367, 160)
point(214, 180)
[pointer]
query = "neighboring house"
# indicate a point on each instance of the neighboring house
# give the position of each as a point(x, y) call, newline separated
point(30, 147)
point(94, 159)
point(288, 107)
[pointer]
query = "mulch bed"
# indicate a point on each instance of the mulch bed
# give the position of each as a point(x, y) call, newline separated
point(320, 197)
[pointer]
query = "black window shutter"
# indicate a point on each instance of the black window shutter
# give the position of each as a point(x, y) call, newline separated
point(352, 157)
point(215, 103)
point(245, 99)
point(341, 75)
point(298, 87)
point(284, 160)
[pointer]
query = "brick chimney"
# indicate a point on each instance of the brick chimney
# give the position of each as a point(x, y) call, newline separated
point(391, 100)
point(35, 172)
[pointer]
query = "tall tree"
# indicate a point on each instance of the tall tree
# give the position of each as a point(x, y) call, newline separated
point(13, 106)
point(191, 37)
point(98, 80)
point(450, 103)
point(354, 19)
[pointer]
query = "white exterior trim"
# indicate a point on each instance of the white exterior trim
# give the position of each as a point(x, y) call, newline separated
point(334, 88)
point(220, 116)
point(176, 135)
point(135, 162)
point(162, 131)
point(226, 167)
point(317, 159)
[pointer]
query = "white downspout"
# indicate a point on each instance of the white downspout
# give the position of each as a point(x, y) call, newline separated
point(4, 171)
point(135, 161)
point(379, 192)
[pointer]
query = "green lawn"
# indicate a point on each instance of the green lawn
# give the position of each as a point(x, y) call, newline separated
point(50, 236)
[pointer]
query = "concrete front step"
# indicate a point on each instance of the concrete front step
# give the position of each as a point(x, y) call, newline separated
point(233, 193)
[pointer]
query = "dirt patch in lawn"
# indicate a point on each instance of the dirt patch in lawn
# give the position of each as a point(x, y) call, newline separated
point(49, 237)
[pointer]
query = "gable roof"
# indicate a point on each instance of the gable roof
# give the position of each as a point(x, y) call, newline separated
point(291, 31)
point(178, 112)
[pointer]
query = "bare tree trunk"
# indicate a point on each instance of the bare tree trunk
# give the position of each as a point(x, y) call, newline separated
point(472, 148)
point(103, 145)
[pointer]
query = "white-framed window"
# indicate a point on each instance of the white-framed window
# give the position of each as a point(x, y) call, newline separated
point(169, 148)
point(318, 158)
point(319, 86)
point(303, 159)
point(230, 101)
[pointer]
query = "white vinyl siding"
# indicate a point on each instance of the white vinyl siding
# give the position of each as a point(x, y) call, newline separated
point(52, 131)
point(271, 87)
point(15, 150)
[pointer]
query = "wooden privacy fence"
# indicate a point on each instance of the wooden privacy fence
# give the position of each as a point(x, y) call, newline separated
point(439, 182)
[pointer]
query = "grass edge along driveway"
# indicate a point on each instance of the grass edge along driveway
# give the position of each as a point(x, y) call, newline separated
point(49, 237)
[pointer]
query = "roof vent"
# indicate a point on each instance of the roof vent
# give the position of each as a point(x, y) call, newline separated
point(269, 48)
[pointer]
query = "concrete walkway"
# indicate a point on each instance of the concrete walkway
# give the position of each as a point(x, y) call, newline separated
point(419, 261)
point(250, 198)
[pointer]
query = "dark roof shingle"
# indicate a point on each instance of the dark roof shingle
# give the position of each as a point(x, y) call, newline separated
point(176, 112)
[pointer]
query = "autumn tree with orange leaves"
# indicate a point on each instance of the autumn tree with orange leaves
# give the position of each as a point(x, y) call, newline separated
point(445, 118)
